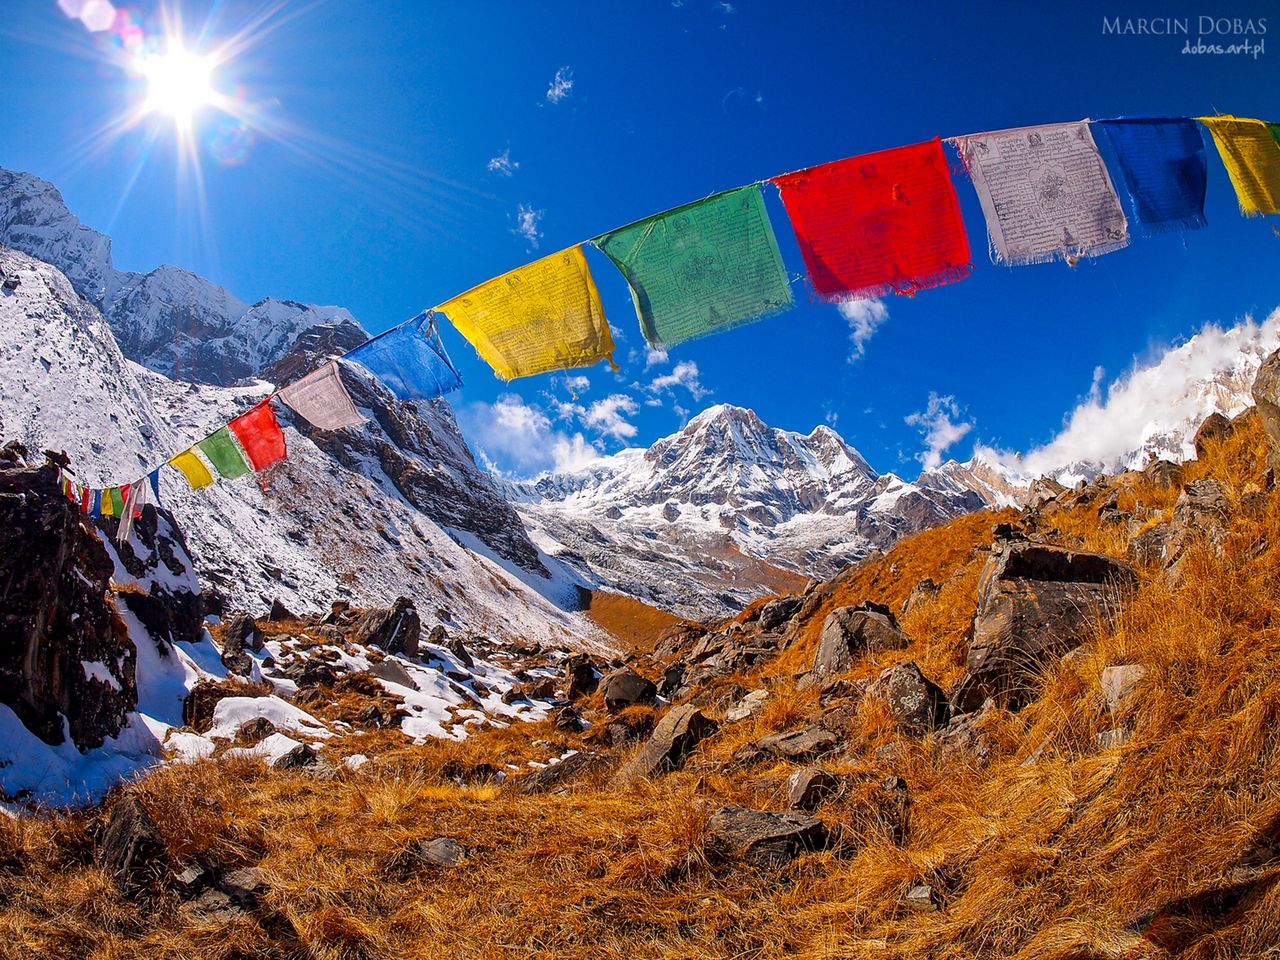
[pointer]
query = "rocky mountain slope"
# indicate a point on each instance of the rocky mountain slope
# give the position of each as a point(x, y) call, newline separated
point(734, 498)
point(352, 517)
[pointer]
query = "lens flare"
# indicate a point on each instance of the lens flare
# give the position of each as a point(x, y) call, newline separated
point(179, 82)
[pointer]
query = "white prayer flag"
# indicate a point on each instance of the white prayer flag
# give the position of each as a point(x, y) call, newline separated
point(322, 400)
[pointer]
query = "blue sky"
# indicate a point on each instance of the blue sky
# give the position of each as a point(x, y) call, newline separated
point(384, 195)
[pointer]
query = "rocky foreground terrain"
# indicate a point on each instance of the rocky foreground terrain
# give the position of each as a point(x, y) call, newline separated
point(1038, 732)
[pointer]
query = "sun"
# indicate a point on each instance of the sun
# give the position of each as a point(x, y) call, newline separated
point(179, 82)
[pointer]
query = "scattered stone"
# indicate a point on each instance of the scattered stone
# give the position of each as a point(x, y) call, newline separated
point(1119, 681)
point(514, 694)
point(567, 720)
point(243, 633)
point(303, 755)
point(917, 704)
point(131, 849)
point(1035, 602)
point(842, 690)
point(1163, 473)
point(966, 734)
point(922, 592)
point(1266, 394)
point(798, 746)
point(245, 887)
point(626, 688)
point(1043, 491)
point(675, 737)
point(393, 671)
point(809, 786)
point(1199, 515)
point(762, 839)
point(471, 774)
point(580, 678)
point(747, 706)
point(1148, 547)
point(255, 730)
point(849, 633)
point(197, 708)
point(279, 612)
point(542, 688)
point(776, 614)
point(1214, 429)
point(672, 680)
point(558, 775)
point(922, 899)
point(396, 629)
point(455, 646)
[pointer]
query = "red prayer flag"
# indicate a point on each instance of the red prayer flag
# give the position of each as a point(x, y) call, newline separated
point(883, 221)
point(260, 435)
point(86, 498)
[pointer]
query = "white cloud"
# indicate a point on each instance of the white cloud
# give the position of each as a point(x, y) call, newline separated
point(654, 357)
point(1169, 394)
point(941, 426)
point(527, 221)
point(725, 7)
point(561, 85)
point(577, 383)
point(683, 374)
point(502, 164)
point(521, 436)
point(864, 318)
point(609, 416)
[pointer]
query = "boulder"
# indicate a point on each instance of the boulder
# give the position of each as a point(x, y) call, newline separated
point(777, 614)
point(66, 659)
point(747, 706)
point(1266, 394)
point(674, 738)
point(922, 592)
point(671, 681)
point(849, 633)
point(279, 612)
point(197, 708)
point(1200, 515)
point(761, 838)
point(255, 730)
point(626, 688)
point(1119, 681)
point(131, 850)
point(1035, 602)
point(242, 635)
point(555, 776)
point(396, 629)
point(566, 720)
point(580, 678)
point(454, 645)
point(303, 755)
point(1214, 429)
point(1163, 473)
point(809, 786)
point(917, 704)
point(392, 671)
point(967, 735)
point(796, 745)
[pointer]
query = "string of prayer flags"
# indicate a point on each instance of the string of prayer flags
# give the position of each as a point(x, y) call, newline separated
point(1163, 166)
point(409, 360)
point(223, 453)
point(702, 268)
point(1251, 155)
point(887, 221)
point(1045, 193)
point(260, 435)
point(193, 468)
point(542, 317)
point(322, 400)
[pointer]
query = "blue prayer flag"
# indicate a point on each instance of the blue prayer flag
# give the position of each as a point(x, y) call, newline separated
point(154, 477)
point(1162, 165)
point(409, 360)
point(95, 507)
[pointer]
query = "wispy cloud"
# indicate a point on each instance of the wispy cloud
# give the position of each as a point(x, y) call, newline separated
point(684, 374)
point(608, 417)
point(522, 436)
point(527, 222)
point(502, 164)
point(864, 318)
point(654, 357)
point(725, 7)
point(941, 425)
point(561, 85)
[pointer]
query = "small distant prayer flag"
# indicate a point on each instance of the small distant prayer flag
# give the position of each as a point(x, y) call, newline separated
point(542, 317)
point(259, 433)
point(95, 508)
point(1162, 164)
point(702, 268)
point(1045, 193)
point(86, 499)
point(1251, 154)
point(409, 360)
point(154, 477)
point(117, 500)
point(223, 453)
point(193, 468)
point(322, 400)
point(887, 221)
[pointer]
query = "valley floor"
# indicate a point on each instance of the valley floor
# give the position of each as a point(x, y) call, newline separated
point(1071, 828)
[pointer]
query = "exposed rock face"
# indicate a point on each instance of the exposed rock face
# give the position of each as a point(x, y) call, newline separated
point(65, 656)
point(171, 606)
point(850, 633)
point(1215, 428)
point(776, 614)
point(580, 678)
point(1200, 514)
point(625, 688)
point(677, 733)
point(763, 839)
point(1266, 394)
point(556, 776)
point(396, 629)
point(915, 702)
point(1035, 603)
point(131, 850)
point(403, 436)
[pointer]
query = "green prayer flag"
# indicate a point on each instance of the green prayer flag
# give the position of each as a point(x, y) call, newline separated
point(223, 453)
point(1275, 130)
point(117, 502)
point(701, 268)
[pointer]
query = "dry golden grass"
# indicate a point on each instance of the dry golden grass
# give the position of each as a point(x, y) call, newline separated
point(1054, 849)
point(635, 624)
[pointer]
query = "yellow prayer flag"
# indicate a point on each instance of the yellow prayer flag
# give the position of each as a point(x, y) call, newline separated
point(1252, 158)
point(542, 317)
point(192, 468)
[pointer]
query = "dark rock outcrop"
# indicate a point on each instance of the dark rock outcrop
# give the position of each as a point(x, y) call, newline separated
point(626, 688)
point(917, 704)
point(1266, 394)
point(580, 678)
point(1035, 603)
point(849, 633)
point(65, 655)
point(776, 614)
point(556, 776)
point(677, 733)
point(242, 635)
point(1214, 429)
point(131, 850)
point(760, 838)
point(157, 557)
point(396, 629)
